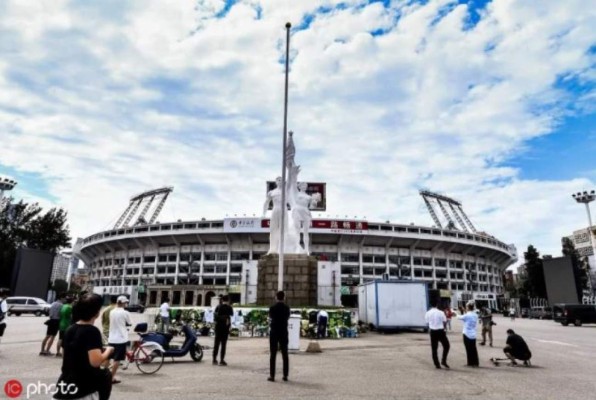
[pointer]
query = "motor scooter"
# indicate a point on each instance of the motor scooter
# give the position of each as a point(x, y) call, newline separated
point(190, 345)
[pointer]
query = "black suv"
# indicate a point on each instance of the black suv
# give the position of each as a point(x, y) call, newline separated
point(135, 308)
point(577, 314)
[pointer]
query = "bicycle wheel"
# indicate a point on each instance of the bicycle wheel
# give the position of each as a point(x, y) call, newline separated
point(148, 361)
point(196, 352)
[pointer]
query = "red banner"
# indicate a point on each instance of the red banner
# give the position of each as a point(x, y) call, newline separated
point(331, 224)
point(343, 225)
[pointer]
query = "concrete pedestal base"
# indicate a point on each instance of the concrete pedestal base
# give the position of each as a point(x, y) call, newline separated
point(300, 280)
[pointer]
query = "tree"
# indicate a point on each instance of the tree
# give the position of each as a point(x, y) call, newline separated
point(580, 274)
point(509, 286)
point(25, 225)
point(60, 286)
point(534, 285)
point(75, 288)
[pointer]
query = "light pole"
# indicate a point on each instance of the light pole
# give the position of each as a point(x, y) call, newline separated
point(6, 184)
point(280, 272)
point(586, 198)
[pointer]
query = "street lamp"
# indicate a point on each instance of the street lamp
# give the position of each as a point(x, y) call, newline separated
point(586, 198)
point(6, 184)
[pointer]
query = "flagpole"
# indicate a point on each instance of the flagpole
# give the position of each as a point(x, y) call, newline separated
point(280, 278)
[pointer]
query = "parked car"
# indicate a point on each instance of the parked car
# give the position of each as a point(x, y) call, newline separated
point(135, 308)
point(27, 305)
point(541, 313)
point(525, 313)
point(577, 314)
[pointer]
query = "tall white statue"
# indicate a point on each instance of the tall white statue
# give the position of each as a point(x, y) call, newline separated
point(291, 240)
point(300, 204)
point(301, 213)
point(275, 221)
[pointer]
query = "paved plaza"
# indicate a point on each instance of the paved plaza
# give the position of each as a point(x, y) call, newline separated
point(379, 366)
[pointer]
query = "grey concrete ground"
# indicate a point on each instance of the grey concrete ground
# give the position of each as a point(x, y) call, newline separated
point(373, 366)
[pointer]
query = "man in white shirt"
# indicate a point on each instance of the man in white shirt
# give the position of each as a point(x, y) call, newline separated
point(164, 314)
point(322, 319)
point(118, 338)
point(436, 321)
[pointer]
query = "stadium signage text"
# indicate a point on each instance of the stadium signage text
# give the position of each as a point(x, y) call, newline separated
point(237, 225)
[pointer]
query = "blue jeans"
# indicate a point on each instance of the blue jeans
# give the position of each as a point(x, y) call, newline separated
point(165, 323)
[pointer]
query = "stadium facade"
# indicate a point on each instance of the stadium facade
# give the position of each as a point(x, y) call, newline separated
point(192, 261)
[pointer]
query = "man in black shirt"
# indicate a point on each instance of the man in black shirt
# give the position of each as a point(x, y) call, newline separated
point(517, 348)
point(223, 320)
point(279, 314)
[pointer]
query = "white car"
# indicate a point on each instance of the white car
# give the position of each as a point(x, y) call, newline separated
point(27, 305)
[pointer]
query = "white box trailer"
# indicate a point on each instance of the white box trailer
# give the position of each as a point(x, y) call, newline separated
point(393, 304)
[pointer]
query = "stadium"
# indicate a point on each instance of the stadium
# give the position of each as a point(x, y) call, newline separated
point(192, 261)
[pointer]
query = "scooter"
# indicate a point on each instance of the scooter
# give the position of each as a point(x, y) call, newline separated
point(190, 345)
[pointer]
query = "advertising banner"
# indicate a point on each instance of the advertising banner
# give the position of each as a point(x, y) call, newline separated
point(237, 225)
point(311, 188)
point(332, 226)
point(336, 226)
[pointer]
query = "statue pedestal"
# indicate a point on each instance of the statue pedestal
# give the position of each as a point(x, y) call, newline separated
point(300, 280)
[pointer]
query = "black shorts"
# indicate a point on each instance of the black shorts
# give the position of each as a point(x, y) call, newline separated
point(53, 327)
point(2, 328)
point(119, 353)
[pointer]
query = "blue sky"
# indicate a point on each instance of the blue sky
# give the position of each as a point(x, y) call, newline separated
point(565, 154)
point(488, 102)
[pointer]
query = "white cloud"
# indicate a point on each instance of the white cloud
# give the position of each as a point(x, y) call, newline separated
point(106, 103)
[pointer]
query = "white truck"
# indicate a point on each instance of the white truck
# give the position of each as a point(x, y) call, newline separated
point(393, 304)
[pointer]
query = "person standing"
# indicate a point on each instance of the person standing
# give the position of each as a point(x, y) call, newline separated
point(322, 319)
point(118, 337)
point(448, 315)
point(105, 317)
point(487, 325)
point(83, 355)
point(512, 313)
point(223, 321)
point(53, 325)
point(3, 311)
point(279, 314)
point(470, 320)
point(65, 322)
point(436, 320)
point(164, 314)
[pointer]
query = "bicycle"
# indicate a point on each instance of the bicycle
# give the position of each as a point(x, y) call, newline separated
point(148, 357)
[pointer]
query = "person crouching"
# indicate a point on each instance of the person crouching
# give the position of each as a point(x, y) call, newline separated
point(517, 348)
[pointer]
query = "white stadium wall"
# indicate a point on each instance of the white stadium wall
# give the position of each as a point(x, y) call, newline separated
point(215, 255)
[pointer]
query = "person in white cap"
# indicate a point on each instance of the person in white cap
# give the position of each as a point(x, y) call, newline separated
point(118, 338)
